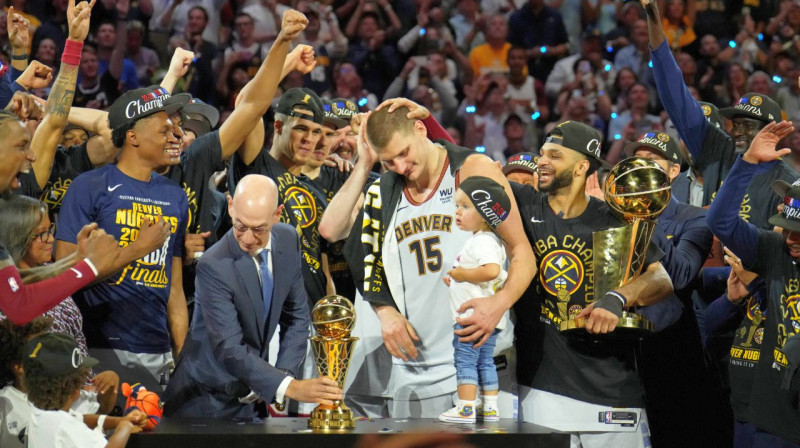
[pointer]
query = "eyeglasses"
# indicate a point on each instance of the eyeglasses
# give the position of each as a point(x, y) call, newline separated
point(257, 231)
point(45, 236)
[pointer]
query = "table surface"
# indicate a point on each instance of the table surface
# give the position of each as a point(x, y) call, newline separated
point(294, 432)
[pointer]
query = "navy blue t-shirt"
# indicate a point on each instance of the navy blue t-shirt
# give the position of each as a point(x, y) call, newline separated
point(128, 310)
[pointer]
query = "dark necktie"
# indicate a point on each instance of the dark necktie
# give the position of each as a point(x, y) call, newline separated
point(266, 281)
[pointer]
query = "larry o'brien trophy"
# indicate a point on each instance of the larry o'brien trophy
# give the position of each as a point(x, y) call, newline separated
point(333, 318)
point(639, 190)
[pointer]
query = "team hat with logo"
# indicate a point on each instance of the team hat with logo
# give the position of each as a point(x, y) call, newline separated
point(711, 112)
point(754, 105)
point(789, 218)
point(524, 161)
point(301, 98)
point(136, 104)
point(658, 141)
point(577, 137)
point(489, 198)
point(54, 354)
point(199, 117)
point(344, 109)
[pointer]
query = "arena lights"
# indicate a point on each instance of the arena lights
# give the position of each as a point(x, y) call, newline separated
point(362, 102)
point(543, 49)
point(777, 79)
point(481, 149)
point(732, 44)
point(469, 109)
point(535, 116)
point(607, 67)
point(614, 115)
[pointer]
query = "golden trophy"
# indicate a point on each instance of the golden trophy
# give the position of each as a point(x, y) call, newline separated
point(333, 318)
point(639, 190)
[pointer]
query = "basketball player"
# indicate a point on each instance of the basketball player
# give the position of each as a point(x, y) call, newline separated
point(404, 265)
point(589, 388)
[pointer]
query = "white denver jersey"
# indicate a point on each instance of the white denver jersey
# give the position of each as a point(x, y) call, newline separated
point(427, 241)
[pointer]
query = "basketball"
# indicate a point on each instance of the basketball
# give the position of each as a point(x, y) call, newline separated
point(637, 188)
point(145, 401)
point(333, 317)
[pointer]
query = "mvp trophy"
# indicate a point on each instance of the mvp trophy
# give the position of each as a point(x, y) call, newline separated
point(333, 317)
point(639, 190)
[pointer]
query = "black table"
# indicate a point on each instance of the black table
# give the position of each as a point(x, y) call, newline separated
point(293, 433)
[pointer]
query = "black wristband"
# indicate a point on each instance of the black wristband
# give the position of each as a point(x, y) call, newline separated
point(612, 301)
point(19, 57)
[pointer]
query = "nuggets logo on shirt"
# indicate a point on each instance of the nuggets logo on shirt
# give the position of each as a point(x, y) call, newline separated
point(788, 319)
point(149, 270)
point(561, 274)
point(54, 193)
point(566, 274)
point(302, 205)
point(746, 348)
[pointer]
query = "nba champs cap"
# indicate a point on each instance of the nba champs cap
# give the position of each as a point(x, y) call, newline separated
point(754, 105)
point(489, 198)
point(301, 98)
point(789, 218)
point(136, 104)
point(524, 161)
point(577, 137)
point(658, 141)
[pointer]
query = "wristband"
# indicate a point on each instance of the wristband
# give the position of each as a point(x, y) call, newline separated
point(72, 52)
point(101, 420)
point(613, 302)
point(19, 57)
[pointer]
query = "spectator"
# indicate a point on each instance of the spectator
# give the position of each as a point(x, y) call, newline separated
point(788, 96)
point(200, 79)
point(415, 41)
point(439, 98)
point(601, 15)
point(487, 122)
point(620, 37)
point(760, 82)
point(526, 95)
point(468, 23)
point(492, 57)
point(54, 28)
point(354, 25)
point(376, 61)
point(111, 54)
point(715, 17)
point(540, 30)
point(735, 84)
point(145, 59)
point(173, 18)
point(514, 133)
point(329, 45)
point(711, 66)
point(245, 49)
point(94, 90)
point(623, 82)
point(678, 24)
point(563, 75)
point(46, 54)
point(267, 17)
point(632, 122)
point(589, 84)
point(232, 79)
point(636, 56)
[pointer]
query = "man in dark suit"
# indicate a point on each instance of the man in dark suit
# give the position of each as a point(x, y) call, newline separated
point(247, 284)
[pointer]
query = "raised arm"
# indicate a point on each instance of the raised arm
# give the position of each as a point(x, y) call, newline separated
point(18, 36)
point(48, 134)
point(116, 64)
point(684, 256)
point(682, 108)
point(257, 95)
point(734, 232)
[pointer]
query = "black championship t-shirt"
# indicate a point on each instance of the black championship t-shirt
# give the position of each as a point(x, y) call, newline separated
point(744, 355)
point(302, 209)
point(594, 370)
point(771, 408)
point(68, 163)
point(329, 181)
point(759, 201)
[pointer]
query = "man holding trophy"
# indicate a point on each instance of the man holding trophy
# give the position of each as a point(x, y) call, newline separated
point(573, 381)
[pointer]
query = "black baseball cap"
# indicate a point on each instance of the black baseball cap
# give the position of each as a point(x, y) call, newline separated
point(199, 117)
point(344, 109)
point(658, 141)
point(136, 104)
point(524, 161)
point(789, 218)
point(754, 105)
point(577, 137)
point(54, 354)
point(711, 112)
point(489, 198)
point(301, 98)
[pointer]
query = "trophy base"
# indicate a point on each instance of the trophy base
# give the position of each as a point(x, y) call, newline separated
point(332, 418)
point(630, 324)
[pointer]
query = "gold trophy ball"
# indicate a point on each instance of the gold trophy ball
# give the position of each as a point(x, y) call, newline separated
point(637, 188)
point(333, 317)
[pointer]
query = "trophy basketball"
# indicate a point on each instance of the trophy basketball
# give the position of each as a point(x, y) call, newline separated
point(639, 190)
point(333, 318)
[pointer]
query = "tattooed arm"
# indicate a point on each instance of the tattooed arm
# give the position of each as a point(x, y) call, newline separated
point(48, 134)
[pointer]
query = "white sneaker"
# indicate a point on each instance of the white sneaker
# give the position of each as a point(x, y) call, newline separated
point(462, 413)
point(489, 414)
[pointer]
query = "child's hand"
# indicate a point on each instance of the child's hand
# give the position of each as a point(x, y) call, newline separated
point(455, 274)
point(446, 280)
point(137, 418)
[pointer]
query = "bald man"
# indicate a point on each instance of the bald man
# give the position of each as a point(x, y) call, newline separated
point(247, 283)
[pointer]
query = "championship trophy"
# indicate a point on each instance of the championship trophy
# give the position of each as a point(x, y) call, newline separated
point(333, 318)
point(638, 189)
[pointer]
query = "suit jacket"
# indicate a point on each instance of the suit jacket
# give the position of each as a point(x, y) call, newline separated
point(225, 356)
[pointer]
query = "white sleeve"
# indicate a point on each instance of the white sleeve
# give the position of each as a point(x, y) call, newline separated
point(78, 435)
point(485, 250)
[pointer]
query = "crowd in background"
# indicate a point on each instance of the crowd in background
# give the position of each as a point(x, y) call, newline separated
point(497, 81)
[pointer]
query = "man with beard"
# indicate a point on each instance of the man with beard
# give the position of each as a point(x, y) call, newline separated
point(566, 381)
point(714, 151)
point(773, 407)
